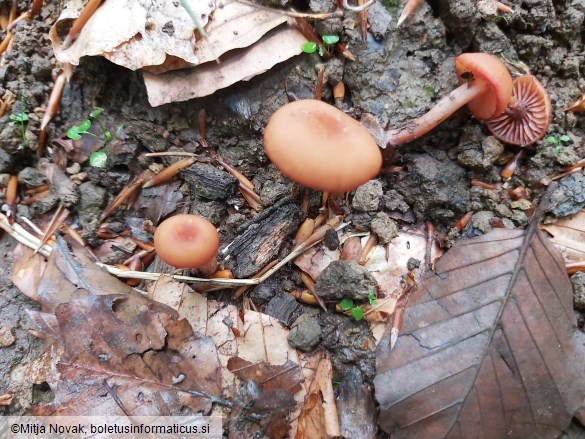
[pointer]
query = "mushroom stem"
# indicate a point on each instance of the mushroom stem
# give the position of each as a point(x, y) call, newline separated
point(459, 97)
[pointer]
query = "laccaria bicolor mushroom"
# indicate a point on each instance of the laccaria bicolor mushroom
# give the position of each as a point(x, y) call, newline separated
point(528, 115)
point(186, 241)
point(486, 89)
point(319, 146)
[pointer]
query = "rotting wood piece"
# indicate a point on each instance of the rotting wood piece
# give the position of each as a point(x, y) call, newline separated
point(261, 242)
point(208, 182)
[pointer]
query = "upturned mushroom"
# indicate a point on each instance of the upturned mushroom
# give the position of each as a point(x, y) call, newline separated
point(320, 147)
point(486, 89)
point(186, 241)
point(528, 115)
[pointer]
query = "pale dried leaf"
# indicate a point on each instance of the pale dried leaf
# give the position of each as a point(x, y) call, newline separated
point(488, 347)
point(569, 236)
point(27, 270)
point(319, 416)
point(133, 33)
point(238, 65)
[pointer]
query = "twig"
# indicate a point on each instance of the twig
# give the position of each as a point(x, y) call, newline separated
point(26, 238)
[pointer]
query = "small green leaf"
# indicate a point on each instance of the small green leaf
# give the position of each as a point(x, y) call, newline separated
point(346, 304)
point(309, 47)
point(20, 117)
point(11, 123)
point(73, 133)
point(84, 126)
point(565, 138)
point(98, 159)
point(552, 139)
point(372, 298)
point(330, 39)
point(357, 313)
point(107, 135)
point(96, 112)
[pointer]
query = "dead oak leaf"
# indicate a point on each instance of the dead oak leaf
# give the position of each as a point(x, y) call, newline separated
point(488, 347)
point(131, 360)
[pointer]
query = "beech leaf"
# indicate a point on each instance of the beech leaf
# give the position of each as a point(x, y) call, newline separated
point(488, 347)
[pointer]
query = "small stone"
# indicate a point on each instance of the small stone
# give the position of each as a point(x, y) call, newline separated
point(305, 333)
point(521, 204)
point(31, 177)
point(412, 264)
point(394, 201)
point(383, 226)
point(6, 336)
point(74, 169)
point(331, 240)
point(482, 220)
point(91, 201)
point(578, 280)
point(345, 279)
point(368, 196)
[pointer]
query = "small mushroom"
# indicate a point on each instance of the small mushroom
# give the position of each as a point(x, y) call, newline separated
point(527, 117)
point(486, 88)
point(186, 241)
point(319, 146)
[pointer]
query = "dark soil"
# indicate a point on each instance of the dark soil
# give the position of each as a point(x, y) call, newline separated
point(397, 75)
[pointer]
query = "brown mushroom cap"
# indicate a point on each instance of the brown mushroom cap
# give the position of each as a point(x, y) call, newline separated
point(186, 241)
point(320, 147)
point(485, 68)
point(527, 117)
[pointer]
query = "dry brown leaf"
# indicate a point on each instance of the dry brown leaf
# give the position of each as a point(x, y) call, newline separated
point(132, 361)
point(577, 106)
point(262, 339)
point(73, 274)
point(27, 270)
point(488, 348)
point(271, 396)
point(238, 65)
point(319, 416)
point(569, 236)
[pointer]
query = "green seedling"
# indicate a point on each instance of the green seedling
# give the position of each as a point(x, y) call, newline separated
point(20, 118)
point(99, 158)
point(355, 311)
point(372, 298)
point(558, 141)
point(311, 46)
point(76, 131)
point(346, 304)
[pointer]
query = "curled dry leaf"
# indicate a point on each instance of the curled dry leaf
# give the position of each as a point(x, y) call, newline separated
point(27, 270)
point(126, 361)
point(239, 65)
point(569, 236)
point(488, 345)
point(319, 416)
point(132, 33)
point(577, 106)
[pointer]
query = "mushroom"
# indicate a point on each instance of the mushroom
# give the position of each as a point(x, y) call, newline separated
point(486, 88)
point(186, 241)
point(528, 115)
point(319, 146)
